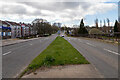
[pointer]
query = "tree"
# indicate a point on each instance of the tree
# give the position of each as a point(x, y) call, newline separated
point(82, 29)
point(44, 28)
point(116, 26)
point(116, 29)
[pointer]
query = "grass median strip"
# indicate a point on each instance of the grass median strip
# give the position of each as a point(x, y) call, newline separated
point(59, 52)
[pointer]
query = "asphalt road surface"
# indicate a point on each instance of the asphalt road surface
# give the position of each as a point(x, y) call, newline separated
point(15, 58)
point(104, 56)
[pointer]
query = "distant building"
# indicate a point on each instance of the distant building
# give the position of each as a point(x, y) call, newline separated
point(57, 24)
point(75, 26)
point(119, 11)
point(107, 30)
point(39, 21)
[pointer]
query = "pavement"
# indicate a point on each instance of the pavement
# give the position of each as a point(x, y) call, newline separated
point(8, 42)
point(103, 56)
point(68, 71)
point(15, 58)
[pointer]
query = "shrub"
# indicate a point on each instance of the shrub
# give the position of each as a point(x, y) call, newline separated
point(48, 61)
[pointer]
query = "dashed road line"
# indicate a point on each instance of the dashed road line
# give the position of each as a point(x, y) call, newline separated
point(31, 44)
point(90, 44)
point(6, 53)
point(111, 51)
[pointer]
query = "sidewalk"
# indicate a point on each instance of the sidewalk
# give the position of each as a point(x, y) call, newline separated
point(68, 71)
point(14, 41)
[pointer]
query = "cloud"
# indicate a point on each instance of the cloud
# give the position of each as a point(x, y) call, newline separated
point(65, 12)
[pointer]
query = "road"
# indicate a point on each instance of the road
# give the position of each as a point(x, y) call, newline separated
point(104, 56)
point(15, 58)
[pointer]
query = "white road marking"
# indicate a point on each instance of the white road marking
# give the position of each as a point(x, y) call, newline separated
point(90, 44)
point(111, 51)
point(6, 53)
point(31, 44)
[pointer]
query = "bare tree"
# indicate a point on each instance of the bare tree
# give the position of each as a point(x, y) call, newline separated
point(104, 26)
point(108, 21)
point(43, 28)
point(96, 23)
point(100, 23)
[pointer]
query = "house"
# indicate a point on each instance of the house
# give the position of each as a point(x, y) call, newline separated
point(5, 30)
point(31, 30)
point(27, 33)
point(107, 30)
point(23, 30)
point(9, 29)
point(26, 29)
point(15, 29)
point(18, 30)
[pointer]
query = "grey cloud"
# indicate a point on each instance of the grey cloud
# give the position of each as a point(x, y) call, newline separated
point(18, 9)
point(51, 6)
point(13, 9)
point(56, 6)
point(85, 5)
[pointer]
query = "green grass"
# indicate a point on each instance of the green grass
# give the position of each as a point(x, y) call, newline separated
point(59, 52)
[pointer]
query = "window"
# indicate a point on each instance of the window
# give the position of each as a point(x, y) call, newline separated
point(9, 33)
point(3, 33)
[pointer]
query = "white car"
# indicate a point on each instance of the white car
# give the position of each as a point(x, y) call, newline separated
point(62, 36)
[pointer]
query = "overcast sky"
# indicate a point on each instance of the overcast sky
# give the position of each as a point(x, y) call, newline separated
point(68, 12)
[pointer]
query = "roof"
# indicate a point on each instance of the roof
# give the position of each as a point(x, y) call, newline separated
point(13, 23)
point(3, 22)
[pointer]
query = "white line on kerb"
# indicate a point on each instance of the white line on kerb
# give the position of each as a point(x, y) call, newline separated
point(6, 53)
point(112, 51)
